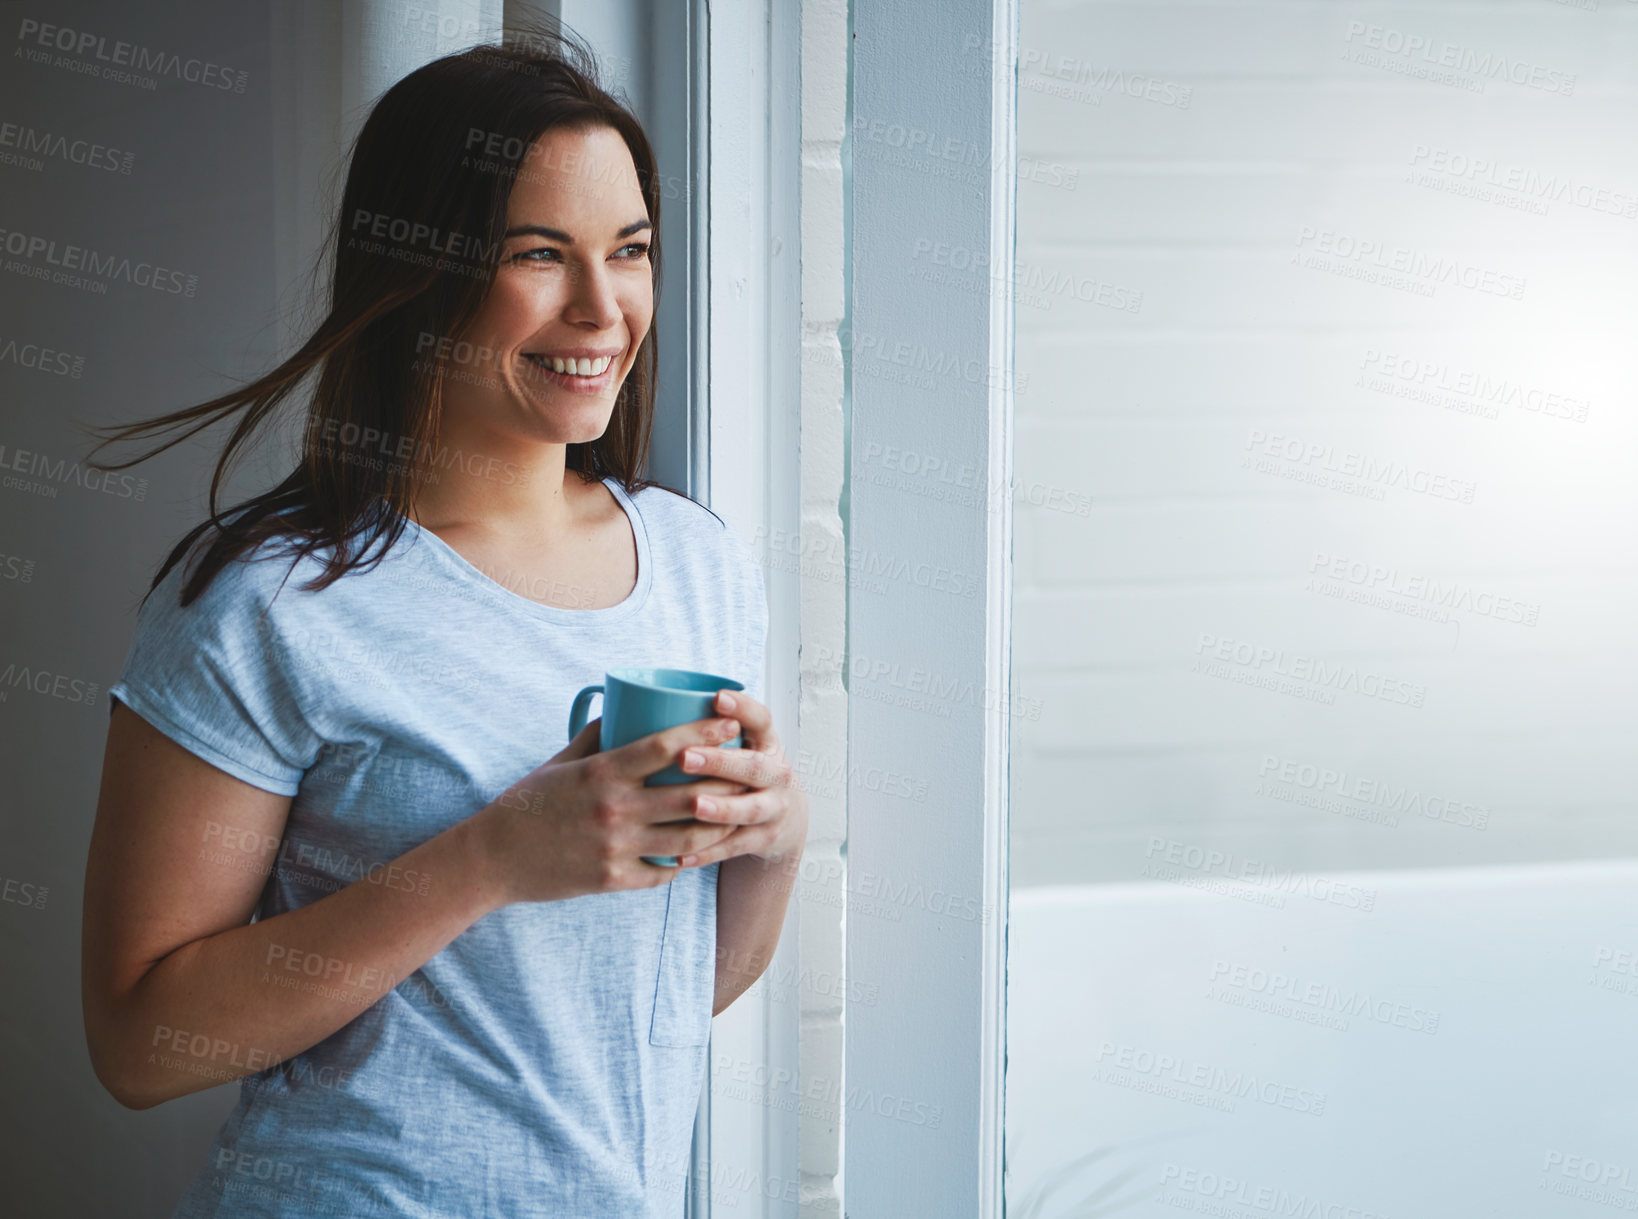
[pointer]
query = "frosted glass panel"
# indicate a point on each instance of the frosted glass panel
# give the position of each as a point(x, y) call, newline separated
point(1326, 548)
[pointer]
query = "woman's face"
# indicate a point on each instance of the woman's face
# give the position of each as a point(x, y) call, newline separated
point(573, 295)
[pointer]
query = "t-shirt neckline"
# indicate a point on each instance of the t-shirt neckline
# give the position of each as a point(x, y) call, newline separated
point(472, 577)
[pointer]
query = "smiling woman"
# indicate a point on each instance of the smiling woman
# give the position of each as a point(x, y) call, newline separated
point(546, 355)
point(328, 859)
point(486, 217)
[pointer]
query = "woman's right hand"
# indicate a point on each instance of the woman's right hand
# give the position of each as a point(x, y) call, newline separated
point(581, 821)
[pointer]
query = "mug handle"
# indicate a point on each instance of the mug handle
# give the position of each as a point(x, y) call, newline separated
point(580, 713)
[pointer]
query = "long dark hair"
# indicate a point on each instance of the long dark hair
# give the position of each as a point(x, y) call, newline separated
point(415, 247)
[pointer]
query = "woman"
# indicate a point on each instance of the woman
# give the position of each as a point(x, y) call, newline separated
point(464, 991)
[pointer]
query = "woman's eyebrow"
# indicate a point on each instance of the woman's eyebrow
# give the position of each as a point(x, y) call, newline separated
point(540, 230)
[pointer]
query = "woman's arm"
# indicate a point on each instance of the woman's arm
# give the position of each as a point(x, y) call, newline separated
point(753, 894)
point(762, 855)
point(179, 992)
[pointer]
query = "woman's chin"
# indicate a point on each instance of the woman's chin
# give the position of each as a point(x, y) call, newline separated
point(584, 432)
point(571, 421)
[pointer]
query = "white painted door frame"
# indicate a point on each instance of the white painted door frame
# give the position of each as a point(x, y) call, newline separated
point(931, 146)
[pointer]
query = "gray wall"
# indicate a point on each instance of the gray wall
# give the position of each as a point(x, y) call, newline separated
point(198, 200)
point(1197, 185)
point(230, 187)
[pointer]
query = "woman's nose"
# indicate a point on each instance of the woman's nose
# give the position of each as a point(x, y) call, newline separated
point(591, 297)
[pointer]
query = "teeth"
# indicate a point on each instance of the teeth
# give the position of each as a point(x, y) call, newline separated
point(575, 368)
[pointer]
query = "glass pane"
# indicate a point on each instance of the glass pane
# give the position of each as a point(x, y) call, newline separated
point(1322, 849)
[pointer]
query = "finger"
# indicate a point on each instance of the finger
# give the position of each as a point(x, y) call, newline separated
point(752, 809)
point(748, 766)
point(678, 801)
point(584, 744)
point(638, 759)
point(756, 717)
point(683, 838)
point(745, 840)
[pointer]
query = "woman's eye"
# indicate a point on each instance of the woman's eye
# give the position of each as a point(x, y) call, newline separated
point(636, 250)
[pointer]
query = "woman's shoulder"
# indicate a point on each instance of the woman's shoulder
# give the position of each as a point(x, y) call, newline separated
point(262, 574)
point(687, 533)
point(670, 507)
point(680, 524)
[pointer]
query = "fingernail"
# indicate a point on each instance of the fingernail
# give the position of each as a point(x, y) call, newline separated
point(693, 759)
point(725, 700)
point(705, 805)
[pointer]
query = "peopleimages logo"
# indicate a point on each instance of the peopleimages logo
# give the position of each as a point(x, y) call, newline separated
point(1369, 471)
point(1532, 185)
point(377, 449)
point(919, 689)
point(52, 685)
point(1376, 256)
point(1223, 1191)
point(93, 49)
point(1436, 593)
point(826, 775)
point(1338, 676)
point(819, 554)
point(67, 258)
point(15, 567)
point(419, 234)
point(1229, 1085)
point(30, 142)
point(1469, 383)
point(1323, 996)
point(41, 359)
point(1591, 1179)
point(31, 465)
point(326, 866)
point(1225, 865)
point(22, 893)
point(816, 1095)
point(1276, 772)
point(1439, 54)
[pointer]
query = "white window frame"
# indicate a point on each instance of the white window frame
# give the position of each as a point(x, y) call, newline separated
point(750, 474)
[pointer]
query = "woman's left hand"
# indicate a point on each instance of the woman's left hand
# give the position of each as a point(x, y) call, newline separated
point(772, 814)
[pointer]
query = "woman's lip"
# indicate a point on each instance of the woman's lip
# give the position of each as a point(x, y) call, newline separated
point(584, 385)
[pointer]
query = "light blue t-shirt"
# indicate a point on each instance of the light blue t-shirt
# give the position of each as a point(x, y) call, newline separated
point(549, 1061)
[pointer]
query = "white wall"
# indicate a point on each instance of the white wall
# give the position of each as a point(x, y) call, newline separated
point(822, 887)
point(1194, 174)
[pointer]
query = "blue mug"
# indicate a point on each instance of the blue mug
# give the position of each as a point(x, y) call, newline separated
point(638, 702)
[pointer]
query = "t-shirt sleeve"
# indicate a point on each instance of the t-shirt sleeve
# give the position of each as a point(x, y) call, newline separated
point(216, 677)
